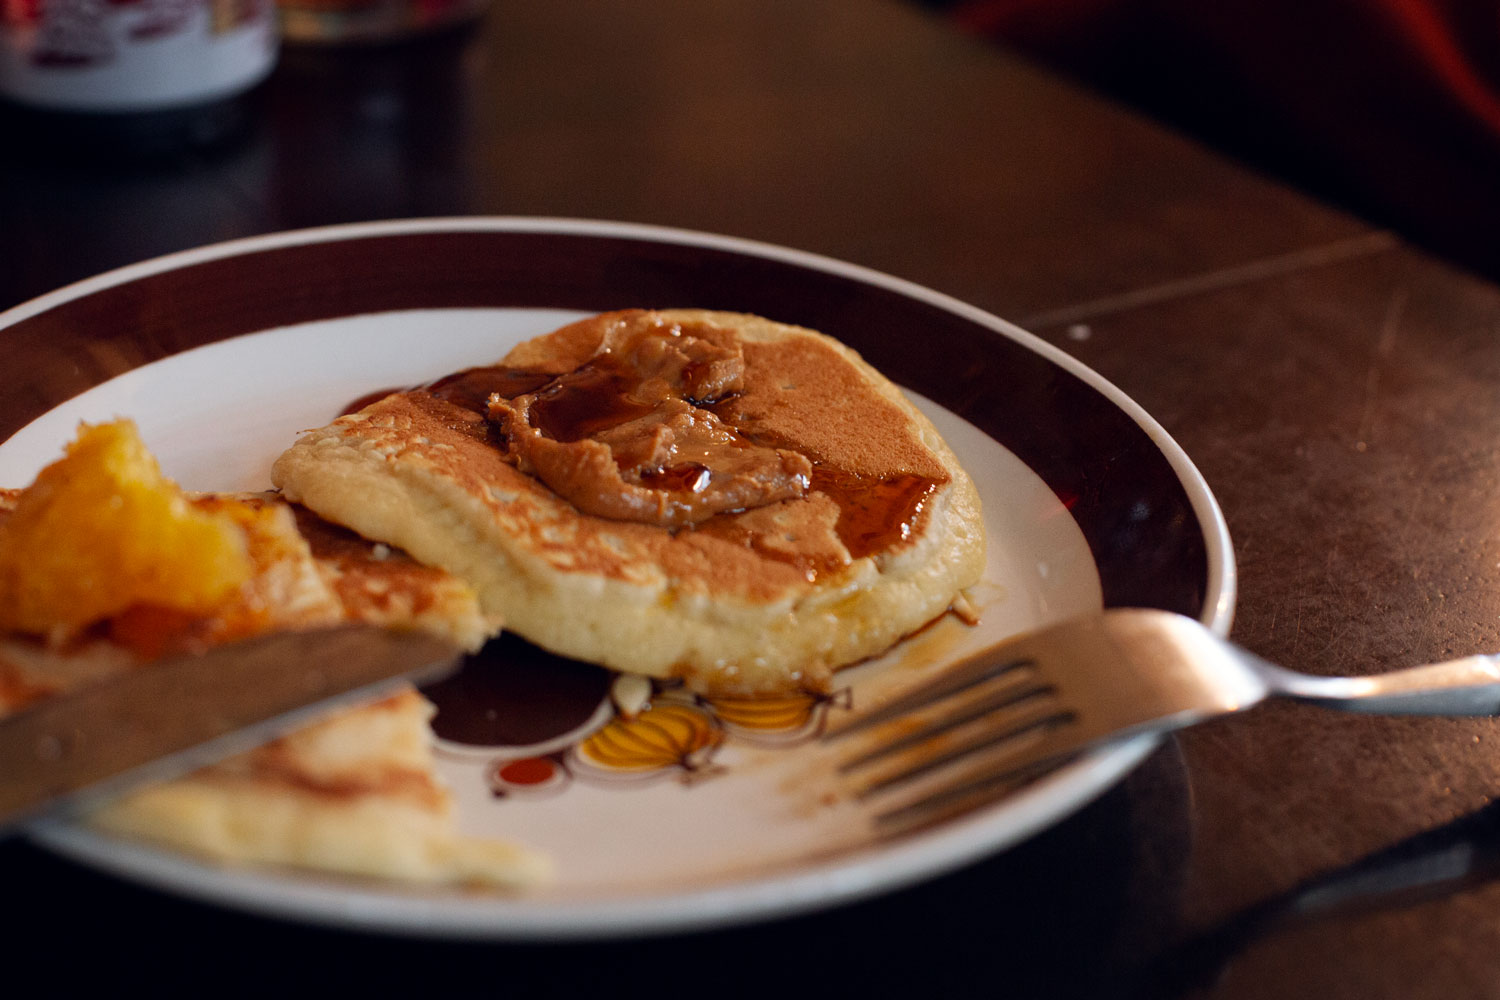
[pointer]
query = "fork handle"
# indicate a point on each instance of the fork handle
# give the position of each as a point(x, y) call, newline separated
point(1470, 686)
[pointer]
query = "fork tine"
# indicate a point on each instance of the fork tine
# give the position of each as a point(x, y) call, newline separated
point(974, 778)
point(899, 728)
point(949, 803)
point(965, 674)
point(943, 741)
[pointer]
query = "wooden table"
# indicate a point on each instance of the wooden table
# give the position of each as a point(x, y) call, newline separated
point(1339, 390)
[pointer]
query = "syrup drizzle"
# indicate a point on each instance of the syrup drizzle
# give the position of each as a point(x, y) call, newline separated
point(874, 514)
point(582, 403)
point(471, 388)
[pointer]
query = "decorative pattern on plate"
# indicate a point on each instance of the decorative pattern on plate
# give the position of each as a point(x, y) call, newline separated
point(541, 721)
point(673, 734)
point(778, 721)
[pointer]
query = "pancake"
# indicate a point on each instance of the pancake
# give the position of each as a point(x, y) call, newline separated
point(715, 497)
point(355, 793)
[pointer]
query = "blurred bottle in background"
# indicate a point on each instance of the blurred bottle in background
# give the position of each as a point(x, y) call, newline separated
point(133, 76)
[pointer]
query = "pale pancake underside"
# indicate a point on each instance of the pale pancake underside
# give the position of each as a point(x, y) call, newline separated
point(354, 794)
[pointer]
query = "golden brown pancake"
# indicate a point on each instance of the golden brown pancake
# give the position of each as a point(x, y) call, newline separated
point(355, 793)
point(709, 496)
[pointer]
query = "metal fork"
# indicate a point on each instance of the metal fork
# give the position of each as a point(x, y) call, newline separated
point(1024, 707)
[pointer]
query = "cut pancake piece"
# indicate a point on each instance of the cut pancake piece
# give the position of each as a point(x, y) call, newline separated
point(715, 497)
point(355, 793)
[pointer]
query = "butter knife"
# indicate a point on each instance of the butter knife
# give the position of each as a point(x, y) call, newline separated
point(63, 755)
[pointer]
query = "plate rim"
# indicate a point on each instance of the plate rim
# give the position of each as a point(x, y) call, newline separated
point(802, 888)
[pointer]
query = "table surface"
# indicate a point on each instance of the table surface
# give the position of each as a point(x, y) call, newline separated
point(1339, 390)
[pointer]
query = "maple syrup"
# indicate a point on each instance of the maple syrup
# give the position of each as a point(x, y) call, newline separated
point(471, 388)
point(591, 399)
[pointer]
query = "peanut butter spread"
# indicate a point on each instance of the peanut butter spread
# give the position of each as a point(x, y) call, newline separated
point(669, 424)
point(629, 435)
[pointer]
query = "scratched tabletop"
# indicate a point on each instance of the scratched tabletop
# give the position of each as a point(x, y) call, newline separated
point(1338, 388)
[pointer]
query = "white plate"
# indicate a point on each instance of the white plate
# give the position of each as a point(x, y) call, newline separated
point(258, 339)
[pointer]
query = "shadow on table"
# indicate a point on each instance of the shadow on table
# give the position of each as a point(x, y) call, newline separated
point(1436, 863)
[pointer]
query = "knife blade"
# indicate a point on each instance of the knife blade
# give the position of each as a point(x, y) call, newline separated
point(66, 754)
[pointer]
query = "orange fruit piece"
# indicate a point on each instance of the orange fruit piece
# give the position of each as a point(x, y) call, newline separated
point(101, 530)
